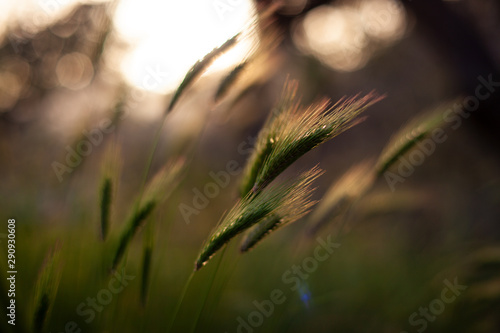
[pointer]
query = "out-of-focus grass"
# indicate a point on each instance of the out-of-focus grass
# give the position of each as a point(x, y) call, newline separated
point(398, 249)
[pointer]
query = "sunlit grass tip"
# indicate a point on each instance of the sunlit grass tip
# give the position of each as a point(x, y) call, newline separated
point(267, 136)
point(147, 255)
point(110, 175)
point(199, 67)
point(293, 130)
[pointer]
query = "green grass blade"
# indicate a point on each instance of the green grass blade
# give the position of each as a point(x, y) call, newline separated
point(134, 223)
point(229, 81)
point(46, 289)
point(105, 205)
point(146, 271)
point(111, 169)
point(159, 188)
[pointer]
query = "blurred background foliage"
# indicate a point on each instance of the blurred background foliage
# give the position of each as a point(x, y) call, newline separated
point(71, 68)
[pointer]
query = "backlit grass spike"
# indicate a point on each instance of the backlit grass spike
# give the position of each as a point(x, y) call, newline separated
point(254, 208)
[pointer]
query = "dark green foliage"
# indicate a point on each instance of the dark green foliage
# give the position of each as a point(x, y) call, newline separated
point(106, 199)
point(135, 222)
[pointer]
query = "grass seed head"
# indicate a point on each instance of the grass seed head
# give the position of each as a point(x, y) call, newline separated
point(253, 208)
point(292, 130)
point(268, 136)
point(158, 188)
point(111, 169)
point(294, 207)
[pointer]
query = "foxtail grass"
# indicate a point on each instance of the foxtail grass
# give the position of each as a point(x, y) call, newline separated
point(267, 137)
point(147, 254)
point(105, 205)
point(292, 209)
point(292, 130)
point(109, 180)
point(157, 190)
point(252, 209)
point(230, 80)
point(46, 289)
point(256, 65)
point(307, 130)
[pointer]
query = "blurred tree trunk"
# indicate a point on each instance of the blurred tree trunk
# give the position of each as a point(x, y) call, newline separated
point(459, 44)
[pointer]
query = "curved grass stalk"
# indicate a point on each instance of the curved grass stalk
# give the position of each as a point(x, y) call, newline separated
point(147, 257)
point(179, 302)
point(209, 288)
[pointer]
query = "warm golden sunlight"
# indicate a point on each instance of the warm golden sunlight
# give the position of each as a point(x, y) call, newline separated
point(164, 38)
point(167, 38)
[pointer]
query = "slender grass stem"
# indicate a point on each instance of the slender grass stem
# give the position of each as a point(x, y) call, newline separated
point(225, 278)
point(125, 238)
point(150, 161)
point(209, 288)
point(179, 303)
